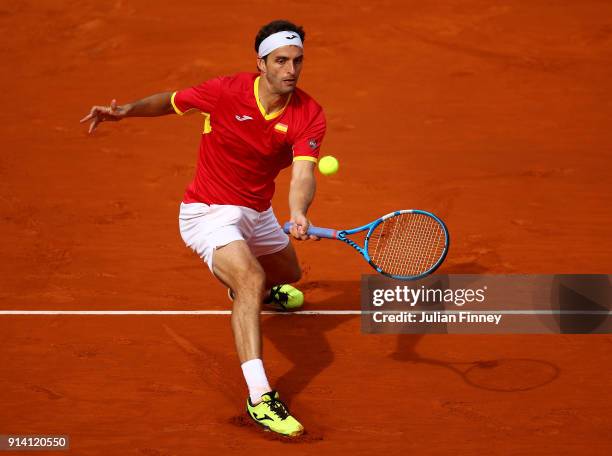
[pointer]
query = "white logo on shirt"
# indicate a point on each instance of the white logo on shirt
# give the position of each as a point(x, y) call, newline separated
point(243, 118)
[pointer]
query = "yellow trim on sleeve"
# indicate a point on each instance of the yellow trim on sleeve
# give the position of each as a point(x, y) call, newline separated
point(305, 157)
point(207, 126)
point(273, 115)
point(176, 109)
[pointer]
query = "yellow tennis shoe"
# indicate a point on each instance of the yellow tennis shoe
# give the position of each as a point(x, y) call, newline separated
point(273, 414)
point(282, 297)
point(285, 297)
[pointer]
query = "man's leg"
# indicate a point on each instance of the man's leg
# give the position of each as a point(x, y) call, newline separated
point(281, 267)
point(237, 267)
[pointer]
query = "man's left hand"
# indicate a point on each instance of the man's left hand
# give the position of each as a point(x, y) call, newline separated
point(300, 228)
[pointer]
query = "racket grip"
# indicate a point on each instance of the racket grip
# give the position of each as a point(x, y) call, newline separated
point(315, 231)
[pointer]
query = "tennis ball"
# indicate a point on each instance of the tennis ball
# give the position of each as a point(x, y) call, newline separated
point(328, 165)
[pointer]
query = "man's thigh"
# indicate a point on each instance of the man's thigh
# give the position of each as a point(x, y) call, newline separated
point(206, 228)
point(235, 265)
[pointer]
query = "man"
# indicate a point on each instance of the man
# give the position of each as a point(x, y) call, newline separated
point(254, 126)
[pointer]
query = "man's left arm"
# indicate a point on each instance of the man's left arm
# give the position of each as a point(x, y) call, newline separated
point(301, 193)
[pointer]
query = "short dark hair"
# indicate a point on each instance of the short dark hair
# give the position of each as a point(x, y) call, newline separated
point(279, 25)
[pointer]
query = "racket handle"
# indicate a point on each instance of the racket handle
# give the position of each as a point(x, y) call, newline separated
point(315, 231)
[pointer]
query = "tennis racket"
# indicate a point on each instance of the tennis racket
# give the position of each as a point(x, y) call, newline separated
point(404, 245)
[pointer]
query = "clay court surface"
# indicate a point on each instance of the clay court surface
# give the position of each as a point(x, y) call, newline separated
point(493, 115)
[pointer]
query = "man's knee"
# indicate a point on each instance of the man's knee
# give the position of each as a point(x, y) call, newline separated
point(249, 280)
point(281, 267)
point(292, 270)
point(235, 266)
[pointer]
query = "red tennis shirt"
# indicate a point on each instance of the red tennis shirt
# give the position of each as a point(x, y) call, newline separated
point(243, 148)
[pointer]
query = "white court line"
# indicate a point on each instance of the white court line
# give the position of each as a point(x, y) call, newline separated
point(299, 312)
point(171, 312)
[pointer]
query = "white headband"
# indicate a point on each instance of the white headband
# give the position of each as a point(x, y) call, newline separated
point(277, 40)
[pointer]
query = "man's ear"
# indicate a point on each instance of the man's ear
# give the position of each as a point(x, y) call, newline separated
point(261, 65)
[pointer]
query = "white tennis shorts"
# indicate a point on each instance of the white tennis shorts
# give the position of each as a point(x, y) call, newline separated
point(205, 228)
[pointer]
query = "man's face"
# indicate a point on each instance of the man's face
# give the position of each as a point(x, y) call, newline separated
point(282, 68)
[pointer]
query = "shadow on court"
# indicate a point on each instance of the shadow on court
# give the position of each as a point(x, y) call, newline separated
point(503, 375)
point(303, 340)
point(500, 375)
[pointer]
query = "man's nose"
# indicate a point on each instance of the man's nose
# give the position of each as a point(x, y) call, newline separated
point(290, 67)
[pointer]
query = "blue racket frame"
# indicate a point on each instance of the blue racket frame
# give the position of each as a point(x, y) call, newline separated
point(341, 235)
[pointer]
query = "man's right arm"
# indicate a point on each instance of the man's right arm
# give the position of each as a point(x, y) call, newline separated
point(156, 105)
point(159, 104)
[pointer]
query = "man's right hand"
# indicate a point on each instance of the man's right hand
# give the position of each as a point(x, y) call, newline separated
point(112, 113)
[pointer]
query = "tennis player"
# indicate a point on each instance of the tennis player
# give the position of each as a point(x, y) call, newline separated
point(255, 124)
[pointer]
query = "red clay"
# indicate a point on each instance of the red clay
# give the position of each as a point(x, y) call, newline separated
point(492, 116)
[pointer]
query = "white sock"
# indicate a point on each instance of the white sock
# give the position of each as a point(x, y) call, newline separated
point(256, 379)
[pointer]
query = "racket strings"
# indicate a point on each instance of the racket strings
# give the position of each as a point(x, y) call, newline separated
point(407, 244)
